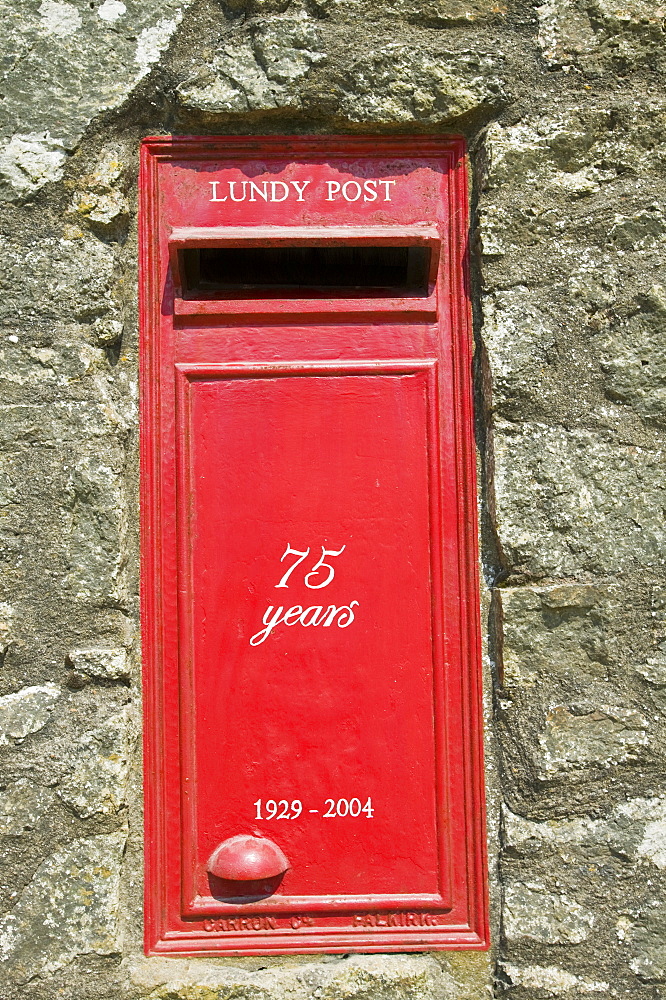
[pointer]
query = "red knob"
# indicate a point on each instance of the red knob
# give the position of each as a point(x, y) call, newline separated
point(247, 859)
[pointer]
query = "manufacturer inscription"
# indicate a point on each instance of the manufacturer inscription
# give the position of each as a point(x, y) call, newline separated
point(396, 920)
point(241, 924)
point(259, 923)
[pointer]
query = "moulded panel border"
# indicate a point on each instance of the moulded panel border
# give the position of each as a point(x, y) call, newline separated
point(304, 940)
point(193, 905)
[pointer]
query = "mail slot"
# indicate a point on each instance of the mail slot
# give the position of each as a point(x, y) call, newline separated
point(313, 728)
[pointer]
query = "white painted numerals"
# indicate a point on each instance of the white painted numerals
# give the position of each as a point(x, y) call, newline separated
point(283, 809)
point(348, 807)
point(291, 552)
point(321, 574)
point(316, 570)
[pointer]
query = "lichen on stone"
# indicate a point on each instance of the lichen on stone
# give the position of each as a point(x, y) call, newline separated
point(26, 711)
point(69, 908)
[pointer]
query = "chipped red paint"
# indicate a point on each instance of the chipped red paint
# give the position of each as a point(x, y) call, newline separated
point(309, 576)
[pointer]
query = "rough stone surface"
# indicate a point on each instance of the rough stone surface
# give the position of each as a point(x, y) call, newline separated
point(69, 908)
point(54, 277)
point(551, 981)
point(578, 500)
point(63, 64)
point(27, 162)
point(602, 35)
point(437, 14)
point(633, 830)
point(22, 807)
point(101, 197)
point(647, 939)
point(571, 369)
point(110, 663)
point(26, 711)
point(400, 83)
point(530, 911)
point(389, 977)
point(557, 632)
point(653, 844)
point(288, 62)
point(97, 782)
point(572, 740)
point(257, 71)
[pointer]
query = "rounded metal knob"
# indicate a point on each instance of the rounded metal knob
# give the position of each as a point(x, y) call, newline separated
point(247, 859)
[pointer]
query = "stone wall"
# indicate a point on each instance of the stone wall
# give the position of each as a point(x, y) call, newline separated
point(564, 106)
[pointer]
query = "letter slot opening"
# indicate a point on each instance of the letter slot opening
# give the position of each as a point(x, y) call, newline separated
point(293, 270)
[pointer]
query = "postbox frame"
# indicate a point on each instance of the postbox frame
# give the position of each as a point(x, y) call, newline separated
point(159, 632)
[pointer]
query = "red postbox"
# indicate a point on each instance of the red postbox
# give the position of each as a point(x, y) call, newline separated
point(313, 728)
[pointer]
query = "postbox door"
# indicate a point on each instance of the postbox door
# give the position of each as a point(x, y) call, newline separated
point(312, 643)
point(313, 741)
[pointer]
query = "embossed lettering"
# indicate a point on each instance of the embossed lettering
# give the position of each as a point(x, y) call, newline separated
point(226, 924)
point(355, 187)
point(352, 190)
point(333, 190)
point(370, 191)
point(395, 920)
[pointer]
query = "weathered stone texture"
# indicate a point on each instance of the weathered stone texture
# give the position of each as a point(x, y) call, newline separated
point(571, 237)
point(23, 807)
point(602, 35)
point(69, 908)
point(257, 71)
point(633, 830)
point(26, 711)
point(62, 65)
point(294, 62)
point(97, 782)
point(647, 938)
point(110, 663)
point(389, 977)
point(400, 83)
point(578, 500)
point(432, 13)
point(101, 197)
point(530, 911)
point(633, 356)
point(551, 981)
point(557, 633)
